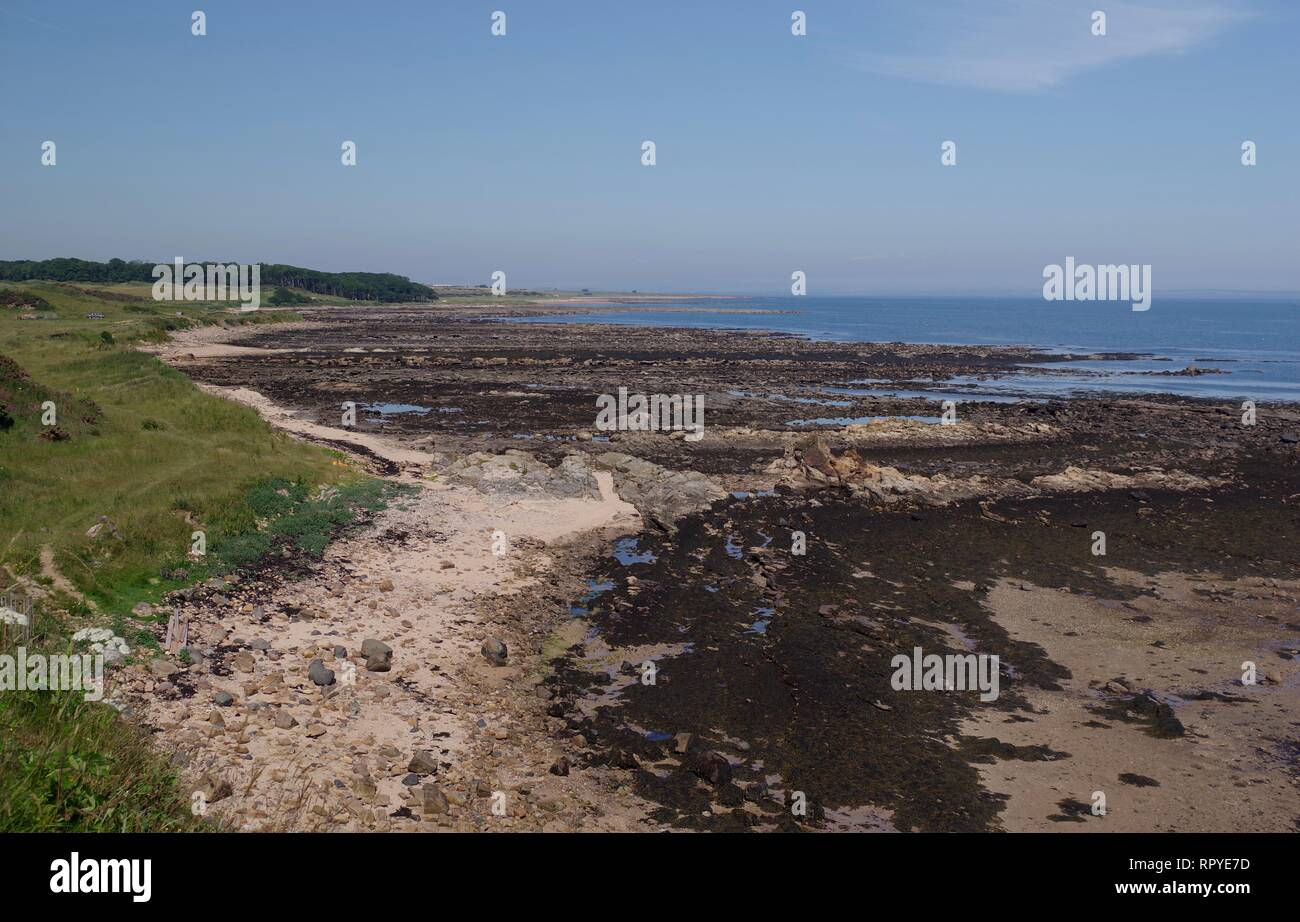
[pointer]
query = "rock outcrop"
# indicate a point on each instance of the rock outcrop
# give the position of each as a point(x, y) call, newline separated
point(660, 494)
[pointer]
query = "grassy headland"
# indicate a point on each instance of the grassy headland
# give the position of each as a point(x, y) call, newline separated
point(136, 449)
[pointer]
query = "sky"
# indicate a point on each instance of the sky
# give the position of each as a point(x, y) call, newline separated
point(774, 152)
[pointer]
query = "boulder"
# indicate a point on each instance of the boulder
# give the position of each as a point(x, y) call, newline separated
point(319, 673)
point(494, 651)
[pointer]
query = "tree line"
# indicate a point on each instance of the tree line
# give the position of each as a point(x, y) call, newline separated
point(356, 286)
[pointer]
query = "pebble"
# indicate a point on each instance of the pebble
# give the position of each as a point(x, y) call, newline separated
point(494, 651)
point(713, 767)
point(379, 656)
point(162, 668)
point(422, 763)
point(435, 802)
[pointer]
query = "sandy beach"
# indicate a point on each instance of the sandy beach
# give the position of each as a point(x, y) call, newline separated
point(602, 558)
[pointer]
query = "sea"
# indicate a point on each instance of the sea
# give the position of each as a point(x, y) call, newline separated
point(1253, 343)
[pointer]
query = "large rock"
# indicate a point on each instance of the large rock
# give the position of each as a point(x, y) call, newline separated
point(1086, 480)
point(659, 493)
point(814, 463)
point(494, 651)
point(319, 673)
point(379, 656)
point(518, 472)
point(713, 767)
point(435, 802)
point(162, 668)
point(422, 763)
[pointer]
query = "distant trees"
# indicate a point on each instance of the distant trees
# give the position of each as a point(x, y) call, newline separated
point(67, 269)
point(354, 286)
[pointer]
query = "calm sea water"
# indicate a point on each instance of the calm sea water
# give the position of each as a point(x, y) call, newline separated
point(1255, 342)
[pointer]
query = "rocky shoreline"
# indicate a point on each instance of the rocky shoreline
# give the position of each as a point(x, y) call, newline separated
point(669, 662)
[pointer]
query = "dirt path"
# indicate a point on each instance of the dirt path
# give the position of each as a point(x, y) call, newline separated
point(50, 570)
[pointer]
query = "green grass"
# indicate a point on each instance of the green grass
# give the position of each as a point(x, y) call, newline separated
point(69, 765)
point(145, 448)
point(282, 514)
point(139, 444)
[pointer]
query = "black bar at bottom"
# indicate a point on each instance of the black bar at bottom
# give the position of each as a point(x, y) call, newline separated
point(186, 872)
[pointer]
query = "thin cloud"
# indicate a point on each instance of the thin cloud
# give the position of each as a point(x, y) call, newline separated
point(1034, 46)
point(16, 14)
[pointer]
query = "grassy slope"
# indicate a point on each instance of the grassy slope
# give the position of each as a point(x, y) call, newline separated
point(159, 458)
point(159, 449)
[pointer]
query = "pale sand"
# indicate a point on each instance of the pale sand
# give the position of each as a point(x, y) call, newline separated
point(1228, 774)
point(218, 341)
point(284, 419)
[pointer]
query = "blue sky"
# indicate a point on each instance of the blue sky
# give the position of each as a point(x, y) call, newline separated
point(775, 152)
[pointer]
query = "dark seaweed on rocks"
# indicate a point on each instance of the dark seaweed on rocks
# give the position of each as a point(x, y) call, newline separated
point(802, 694)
